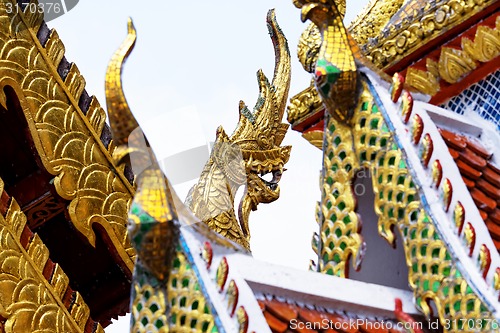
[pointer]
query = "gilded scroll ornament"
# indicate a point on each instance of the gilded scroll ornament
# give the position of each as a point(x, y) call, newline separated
point(388, 47)
point(304, 104)
point(252, 151)
point(374, 18)
point(29, 302)
point(424, 81)
point(454, 64)
point(486, 44)
point(66, 139)
point(308, 47)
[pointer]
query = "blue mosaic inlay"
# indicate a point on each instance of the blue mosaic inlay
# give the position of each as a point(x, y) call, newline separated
point(482, 97)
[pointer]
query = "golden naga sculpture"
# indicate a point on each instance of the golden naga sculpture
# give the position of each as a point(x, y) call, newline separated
point(252, 151)
point(336, 75)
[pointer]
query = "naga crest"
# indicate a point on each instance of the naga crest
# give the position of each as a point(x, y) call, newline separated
point(250, 153)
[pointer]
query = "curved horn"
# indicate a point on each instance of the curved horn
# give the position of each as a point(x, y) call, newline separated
point(282, 72)
point(265, 119)
point(121, 119)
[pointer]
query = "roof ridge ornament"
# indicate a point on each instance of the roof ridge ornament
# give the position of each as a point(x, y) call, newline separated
point(336, 75)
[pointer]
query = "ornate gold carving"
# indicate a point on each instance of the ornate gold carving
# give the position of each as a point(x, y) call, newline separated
point(388, 47)
point(252, 150)
point(433, 274)
point(373, 19)
point(484, 260)
point(486, 44)
point(28, 302)
point(315, 138)
point(67, 141)
point(424, 81)
point(165, 291)
point(152, 228)
point(121, 119)
point(149, 309)
point(188, 302)
point(242, 317)
point(232, 297)
point(304, 104)
point(454, 64)
point(308, 47)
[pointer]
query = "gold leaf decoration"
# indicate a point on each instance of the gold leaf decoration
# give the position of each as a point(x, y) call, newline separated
point(454, 64)
point(67, 140)
point(28, 302)
point(486, 44)
point(424, 81)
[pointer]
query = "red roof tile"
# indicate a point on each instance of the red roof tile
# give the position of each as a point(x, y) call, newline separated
point(454, 153)
point(482, 201)
point(494, 229)
point(492, 191)
point(453, 140)
point(279, 316)
point(274, 323)
point(481, 177)
point(484, 215)
point(469, 183)
point(491, 176)
point(472, 159)
point(494, 167)
point(468, 171)
point(477, 148)
point(495, 216)
point(283, 311)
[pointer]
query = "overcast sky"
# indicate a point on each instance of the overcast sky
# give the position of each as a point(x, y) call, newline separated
point(203, 56)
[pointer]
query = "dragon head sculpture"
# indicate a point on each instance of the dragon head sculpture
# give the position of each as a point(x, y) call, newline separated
point(251, 152)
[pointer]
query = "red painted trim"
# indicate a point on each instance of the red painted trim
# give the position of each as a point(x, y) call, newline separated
point(320, 126)
point(310, 121)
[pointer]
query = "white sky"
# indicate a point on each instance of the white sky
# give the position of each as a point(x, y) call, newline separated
point(203, 55)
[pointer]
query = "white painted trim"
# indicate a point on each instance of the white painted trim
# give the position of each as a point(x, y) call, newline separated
point(450, 120)
point(321, 290)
